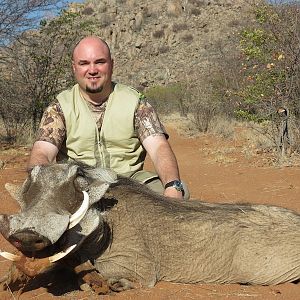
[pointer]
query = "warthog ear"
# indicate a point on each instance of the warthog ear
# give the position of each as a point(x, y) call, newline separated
point(105, 175)
point(102, 179)
point(15, 191)
point(97, 190)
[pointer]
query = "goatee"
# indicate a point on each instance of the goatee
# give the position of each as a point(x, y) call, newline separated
point(93, 90)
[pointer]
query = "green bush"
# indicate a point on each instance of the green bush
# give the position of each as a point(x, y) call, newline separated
point(169, 99)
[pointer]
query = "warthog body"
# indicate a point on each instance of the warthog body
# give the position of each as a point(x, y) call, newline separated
point(133, 235)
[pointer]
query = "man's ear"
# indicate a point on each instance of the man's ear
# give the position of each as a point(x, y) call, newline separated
point(73, 66)
point(112, 65)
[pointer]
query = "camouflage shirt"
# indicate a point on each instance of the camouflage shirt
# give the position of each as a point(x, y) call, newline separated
point(53, 129)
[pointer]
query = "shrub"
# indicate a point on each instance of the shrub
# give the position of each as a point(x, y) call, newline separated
point(179, 27)
point(187, 38)
point(270, 67)
point(88, 11)
point(169, 99)
point(158, 34)
point(195, 11)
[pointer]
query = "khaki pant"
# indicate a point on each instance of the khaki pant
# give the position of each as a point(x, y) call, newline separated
point(153, 182)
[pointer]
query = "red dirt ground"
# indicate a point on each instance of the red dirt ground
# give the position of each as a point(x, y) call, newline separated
point(216, 171)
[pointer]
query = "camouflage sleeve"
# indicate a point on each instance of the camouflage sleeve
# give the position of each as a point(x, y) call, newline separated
point(147, 121)
point(52, 127)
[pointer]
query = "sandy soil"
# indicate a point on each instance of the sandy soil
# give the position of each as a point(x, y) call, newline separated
point(216, 171)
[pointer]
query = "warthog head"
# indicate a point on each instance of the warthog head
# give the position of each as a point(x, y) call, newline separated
point(53, 200)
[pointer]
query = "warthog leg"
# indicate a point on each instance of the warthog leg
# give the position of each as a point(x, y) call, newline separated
point(89, 278)
point(119, 285)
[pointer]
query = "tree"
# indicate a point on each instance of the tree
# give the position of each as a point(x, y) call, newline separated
point(14, 113)
point(38, 65)
point(17, 16)
point(271, 69)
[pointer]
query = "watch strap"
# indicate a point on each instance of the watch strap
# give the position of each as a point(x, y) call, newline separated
point(177, 184)
point(171, 183)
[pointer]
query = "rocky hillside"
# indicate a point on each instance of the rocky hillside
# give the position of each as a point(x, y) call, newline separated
point(163, 41)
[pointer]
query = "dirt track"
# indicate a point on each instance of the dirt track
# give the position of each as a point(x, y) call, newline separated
point(212, 175)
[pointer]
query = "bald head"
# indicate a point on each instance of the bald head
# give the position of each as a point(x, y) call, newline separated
point(91, 41)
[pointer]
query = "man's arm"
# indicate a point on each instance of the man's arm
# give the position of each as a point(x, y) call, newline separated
point(164, 162)
point(50, 136)
point(42, 153)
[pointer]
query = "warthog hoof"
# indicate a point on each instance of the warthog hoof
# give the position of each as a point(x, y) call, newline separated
point(95, 282)
point(119, 285)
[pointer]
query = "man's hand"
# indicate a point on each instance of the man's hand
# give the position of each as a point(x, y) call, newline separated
point(173, 193)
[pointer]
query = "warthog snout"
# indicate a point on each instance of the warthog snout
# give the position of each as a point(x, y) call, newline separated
point(28, 240)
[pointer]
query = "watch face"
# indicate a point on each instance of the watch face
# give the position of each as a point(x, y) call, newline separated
point(178, 185)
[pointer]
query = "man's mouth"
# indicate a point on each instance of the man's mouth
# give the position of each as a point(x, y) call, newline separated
point(93, 78)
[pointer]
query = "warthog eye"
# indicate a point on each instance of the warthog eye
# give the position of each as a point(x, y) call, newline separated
point(17, 244)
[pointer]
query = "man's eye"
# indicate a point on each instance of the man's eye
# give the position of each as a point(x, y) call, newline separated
point(83, 62)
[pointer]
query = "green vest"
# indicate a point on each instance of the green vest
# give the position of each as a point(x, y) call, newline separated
point(117, 146)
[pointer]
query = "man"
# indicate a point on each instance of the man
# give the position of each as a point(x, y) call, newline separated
point(106, 123)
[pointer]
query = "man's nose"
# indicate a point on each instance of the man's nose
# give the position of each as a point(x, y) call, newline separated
point(93, 69)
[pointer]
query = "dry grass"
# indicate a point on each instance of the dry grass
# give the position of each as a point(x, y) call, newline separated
point(9, 150)
point(222, 156)
point(233, 140)
point(183, 125)
point(223, 127)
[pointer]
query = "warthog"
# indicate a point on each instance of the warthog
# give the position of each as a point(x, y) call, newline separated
point(134, 237)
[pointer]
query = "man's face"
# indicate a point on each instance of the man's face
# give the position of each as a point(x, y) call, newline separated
point(92, 66)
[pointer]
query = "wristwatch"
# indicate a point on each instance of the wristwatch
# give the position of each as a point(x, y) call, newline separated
point(177, 184)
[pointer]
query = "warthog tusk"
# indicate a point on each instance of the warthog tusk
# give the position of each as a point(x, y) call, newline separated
point(61, 254)
point(10, 256)
point(80, 213)
point(51, 259)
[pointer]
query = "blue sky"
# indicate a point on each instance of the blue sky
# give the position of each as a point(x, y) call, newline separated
point(283, 1)
point(40, 15)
